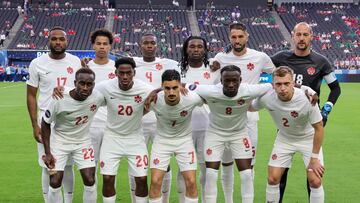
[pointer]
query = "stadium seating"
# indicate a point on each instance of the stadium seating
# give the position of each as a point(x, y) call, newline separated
point(8, 17)
point(168, 25)
point(264, 33)
point(80, 22)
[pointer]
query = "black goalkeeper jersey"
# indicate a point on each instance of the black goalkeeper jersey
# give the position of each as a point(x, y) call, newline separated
point(308, 70)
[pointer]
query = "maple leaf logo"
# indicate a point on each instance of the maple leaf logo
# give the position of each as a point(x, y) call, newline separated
point(70, 70)
point(294, 114)
point(207, 75)
point(250, 66)
point(93, 107)
point(111, 75)
point(183, 113)
point(209, 151)
point(241, 102)
point(158, 67)
point(138, 99)
point(274, 157)
point(156, 161)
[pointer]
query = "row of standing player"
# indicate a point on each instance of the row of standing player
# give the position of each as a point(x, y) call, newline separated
point(148, 75)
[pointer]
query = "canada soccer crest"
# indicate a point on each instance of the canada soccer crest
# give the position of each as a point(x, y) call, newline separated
point(207, 75)
point(183, 113)
point(274, 157)
point(102, 164)
point(250, 66)
point(209, 151)
point(158, 67)
point(156, 161)
point(311, 70)
point(241, 102)
point(70, 70)
point(294, 114)
point(93, 107)
point(138, 99)
point(111, 75)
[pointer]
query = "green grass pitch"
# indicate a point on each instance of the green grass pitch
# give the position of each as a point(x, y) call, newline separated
point(20, 173)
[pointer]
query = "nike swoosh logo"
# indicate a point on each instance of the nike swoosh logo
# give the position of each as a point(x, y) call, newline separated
point(112, 97)
point(46, 73)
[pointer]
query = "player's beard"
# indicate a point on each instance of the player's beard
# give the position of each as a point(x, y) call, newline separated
point(57, 52)
point(238, 49)
point(302, 48)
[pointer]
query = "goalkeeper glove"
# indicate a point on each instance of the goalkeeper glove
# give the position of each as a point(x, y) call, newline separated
point(325, 111)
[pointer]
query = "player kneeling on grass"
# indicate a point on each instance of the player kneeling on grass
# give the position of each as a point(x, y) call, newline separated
point(71, 117)
point(173, 113)
point(300, 130)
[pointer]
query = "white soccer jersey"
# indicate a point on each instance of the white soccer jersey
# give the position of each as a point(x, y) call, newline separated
point(150, 73)
point(174, 121)
point(292, 118)
point(102, 73)
point(228, 114)
point(125, 108)
point(201, 76)
point(72, 118)
point(251, 64)
point(47, 73)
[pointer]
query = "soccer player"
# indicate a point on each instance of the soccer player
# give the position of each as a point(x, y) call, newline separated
point(228, 103)
point(47, 72)
point(300, 130)
point(252, 63)
point(124, 98)
point(71, 118)
point(310, 68)
point(149, 69)
point(195, 69)
point(173, 113)
point(104, 69)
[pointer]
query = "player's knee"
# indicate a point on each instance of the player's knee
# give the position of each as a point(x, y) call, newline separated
point(315, 182)
point(89, 180)
point(108, 180)
point(273, 180)
point(55, 181)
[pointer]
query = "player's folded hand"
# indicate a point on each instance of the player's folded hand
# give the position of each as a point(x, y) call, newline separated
point(58, 92)
point(214, 66)
point(150, 99)
point(37, 134)
point(313, 98)
point(49, 160)
point(183, 91)
point(85, 61)
point(316, 167)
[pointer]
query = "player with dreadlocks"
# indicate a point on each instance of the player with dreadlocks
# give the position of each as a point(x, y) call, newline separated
point(195, 69)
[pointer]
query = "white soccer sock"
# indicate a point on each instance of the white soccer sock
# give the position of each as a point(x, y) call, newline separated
point(90, 194)
point(141, 199)
point(227, 180)
point(191, 200)
point(158, 200)
point(247, 186)
point(317, 195)
point(55, 195)
point(166, 187)
point(45, 181)
point(180, 183)
point(132, 185)
point(111, 199)
point(272, 193)
point(68, 183)
point(210, 185)
point(202, 181)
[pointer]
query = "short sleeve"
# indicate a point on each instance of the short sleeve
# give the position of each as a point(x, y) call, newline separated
point(203, 91)
point(51, 111)
point(33, 75)
point(258, 90)
point(268, 64)
point(314, 115)
point(256, 104)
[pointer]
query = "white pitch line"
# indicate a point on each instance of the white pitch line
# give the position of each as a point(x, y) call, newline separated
point(10, 86)
point(11, 106)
